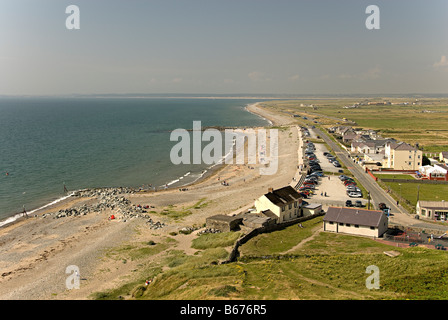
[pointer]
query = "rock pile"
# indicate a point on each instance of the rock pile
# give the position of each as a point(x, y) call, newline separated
point(188, 230)
point(102, 192)
point(209, 230)
point(109, 199)
point(155, 225)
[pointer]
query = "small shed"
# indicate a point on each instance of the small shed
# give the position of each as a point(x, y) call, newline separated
point(257, 221)
point(312, 209)
point(223, 222)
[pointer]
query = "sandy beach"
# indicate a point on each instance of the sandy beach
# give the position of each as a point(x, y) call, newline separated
point(35, 252)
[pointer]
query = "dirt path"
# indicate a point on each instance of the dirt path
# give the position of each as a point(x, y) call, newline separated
point(315, 233)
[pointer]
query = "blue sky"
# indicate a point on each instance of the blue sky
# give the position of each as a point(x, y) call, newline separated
point(224, 47)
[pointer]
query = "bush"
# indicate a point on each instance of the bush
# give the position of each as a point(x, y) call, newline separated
point(138, 291)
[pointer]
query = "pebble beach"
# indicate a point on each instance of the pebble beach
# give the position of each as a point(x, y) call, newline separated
point(35, 251)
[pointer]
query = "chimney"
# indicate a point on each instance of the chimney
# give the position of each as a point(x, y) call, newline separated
point(270, 190)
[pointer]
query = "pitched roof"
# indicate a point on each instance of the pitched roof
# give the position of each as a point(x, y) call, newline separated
point(362, 217)
point(283, 196)
point(402, 146)
point(442, 205)
point(441, 165)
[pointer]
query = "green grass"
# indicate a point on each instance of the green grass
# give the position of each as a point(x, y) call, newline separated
point(178, 213)
point(403, 122)
point(328, 266)
point(279, 241)
point(428, 192)
point(214, 240)
point(394, 176)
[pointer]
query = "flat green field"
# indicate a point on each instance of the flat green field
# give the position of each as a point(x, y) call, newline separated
point(424, 123)
point(428, 192)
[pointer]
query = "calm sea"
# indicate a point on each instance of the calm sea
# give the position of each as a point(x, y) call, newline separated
point(46, 143)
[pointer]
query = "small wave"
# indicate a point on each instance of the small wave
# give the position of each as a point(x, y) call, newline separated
point(19, 215)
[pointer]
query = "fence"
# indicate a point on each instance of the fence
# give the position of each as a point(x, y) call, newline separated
point(415, 181)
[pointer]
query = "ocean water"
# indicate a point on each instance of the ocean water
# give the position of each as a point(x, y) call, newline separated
point(46, 143)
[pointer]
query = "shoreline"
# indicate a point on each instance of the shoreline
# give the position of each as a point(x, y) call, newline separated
point(206, 174)
point(36, 251)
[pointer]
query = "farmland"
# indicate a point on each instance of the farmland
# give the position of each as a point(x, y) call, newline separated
point(423, 122)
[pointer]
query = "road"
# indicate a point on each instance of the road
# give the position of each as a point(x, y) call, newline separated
point(398, 214)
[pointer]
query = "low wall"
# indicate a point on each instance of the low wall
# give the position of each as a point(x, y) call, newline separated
point(234, 254)
point(415, 181)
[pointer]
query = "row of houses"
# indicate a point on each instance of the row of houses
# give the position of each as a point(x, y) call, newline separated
point(372, 149)
point(285, 204)
point(274, 207)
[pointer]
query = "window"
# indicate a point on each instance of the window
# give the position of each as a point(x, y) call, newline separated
point(356, 226)
point(347, 224)
point(290, 205)
point(283, 208)
point(295, 204)
point(341, 224)
point(418, 163)
point(372, 228)
point(331, 222)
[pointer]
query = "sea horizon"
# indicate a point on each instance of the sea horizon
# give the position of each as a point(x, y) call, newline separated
point(86, 143)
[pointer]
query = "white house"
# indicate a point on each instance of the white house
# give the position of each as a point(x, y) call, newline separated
point(355, 221)
point(285, 203)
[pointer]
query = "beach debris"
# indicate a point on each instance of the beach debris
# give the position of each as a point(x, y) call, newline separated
point(110, 199)
point(209, 230)
point(189, 229)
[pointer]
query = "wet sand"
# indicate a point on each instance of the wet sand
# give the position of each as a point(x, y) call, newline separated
point(35, 252)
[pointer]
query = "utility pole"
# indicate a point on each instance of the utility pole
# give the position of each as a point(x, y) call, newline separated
point(368, 198)
point(418, 192)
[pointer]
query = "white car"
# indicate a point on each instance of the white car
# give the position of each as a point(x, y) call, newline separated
point(354, 194)
point(353, 189)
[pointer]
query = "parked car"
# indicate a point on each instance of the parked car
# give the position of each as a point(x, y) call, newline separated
point(317, 173)
point(358, 204)
point(336, 164)
point(348, 203)
point(353, 188)
point(354, 194)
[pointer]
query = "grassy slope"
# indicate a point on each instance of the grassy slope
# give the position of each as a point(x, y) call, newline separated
point(326, 266)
